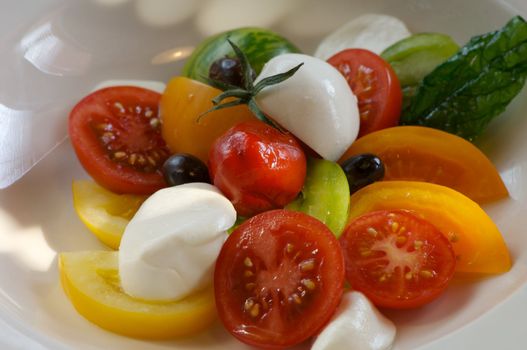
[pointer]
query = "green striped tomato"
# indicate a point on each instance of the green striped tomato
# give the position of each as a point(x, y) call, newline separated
point(260, 45)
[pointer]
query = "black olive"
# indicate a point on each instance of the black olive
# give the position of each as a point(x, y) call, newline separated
point(227, 70)
point(183, 168)
point(362, 170)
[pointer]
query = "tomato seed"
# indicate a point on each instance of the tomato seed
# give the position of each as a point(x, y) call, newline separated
point(395, 226)
point(373, 232)
point(154, 123)
point(296, 299)
point(151, 160)
point(289, 247)
point(119, 106)
point(307, 265)
point(249, 303)
point(409, 276)
point(132, 159)
point(418, 244)
point(119, 155)
point(308, 283)
point(255, 310)
point(248, 273)
point(248, 262)
point(250, 286)
point(426, 274)
point(149, 113)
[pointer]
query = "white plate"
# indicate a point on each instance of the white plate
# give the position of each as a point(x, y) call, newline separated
point(55, 51)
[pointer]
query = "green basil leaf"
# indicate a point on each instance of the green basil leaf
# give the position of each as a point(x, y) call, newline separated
point(465, 93)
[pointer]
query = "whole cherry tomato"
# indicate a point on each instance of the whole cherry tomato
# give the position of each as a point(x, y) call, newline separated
point(257, 167)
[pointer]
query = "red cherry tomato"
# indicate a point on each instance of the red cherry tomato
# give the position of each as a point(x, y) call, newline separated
point(117, 137)
point(278, 279)
point(376, 86)
point(257, 167)
point(397, 259)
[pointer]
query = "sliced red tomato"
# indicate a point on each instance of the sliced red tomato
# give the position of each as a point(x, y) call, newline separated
point(116, 135)
point(397, 259)
point(376, 86)
point(278, 279)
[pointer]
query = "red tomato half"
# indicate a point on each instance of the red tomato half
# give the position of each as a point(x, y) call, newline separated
point(397, 259)
point(117, 137)
point(376, 86)
point(278, 279)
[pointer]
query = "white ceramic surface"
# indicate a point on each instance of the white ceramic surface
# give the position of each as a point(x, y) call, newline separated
point(53, 52)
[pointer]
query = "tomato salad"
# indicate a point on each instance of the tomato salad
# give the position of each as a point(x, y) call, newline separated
point(265, 186)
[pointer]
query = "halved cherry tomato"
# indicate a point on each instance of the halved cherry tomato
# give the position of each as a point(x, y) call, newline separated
point(397, 259)
point(182, 104)
point(419, 153)
point(376, 86)
point(278, 279)
point(257, 167)
point(117, 137)
point(477, 242)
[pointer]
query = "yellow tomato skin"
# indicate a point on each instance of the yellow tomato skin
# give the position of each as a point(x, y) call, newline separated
point(182, 103)
point(91, 282)
point(477, 242)
point(105, 213)
point(417, 153)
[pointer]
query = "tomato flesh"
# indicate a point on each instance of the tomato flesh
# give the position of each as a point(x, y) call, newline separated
point(117, 137)
point(376, 86)
point(278, 279)
point(397, 259)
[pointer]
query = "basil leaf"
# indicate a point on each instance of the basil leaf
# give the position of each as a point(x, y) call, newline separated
point(462, 95)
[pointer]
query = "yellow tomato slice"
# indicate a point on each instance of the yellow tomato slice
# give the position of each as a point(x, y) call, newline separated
point(105, 213)
point(182, 103)
point(479, 246)
point(416, 153)
point(91, 281)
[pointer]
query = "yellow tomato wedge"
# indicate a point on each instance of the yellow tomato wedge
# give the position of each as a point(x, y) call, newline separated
point(416, 153)
point(105, 213)
point(91, 281)
point(479, 246)
point(182, 103)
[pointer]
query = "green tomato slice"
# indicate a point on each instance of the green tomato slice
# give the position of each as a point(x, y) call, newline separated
point(414, 57)
point(325, 195)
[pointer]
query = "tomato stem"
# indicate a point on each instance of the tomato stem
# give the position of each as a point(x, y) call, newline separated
point(246, 94)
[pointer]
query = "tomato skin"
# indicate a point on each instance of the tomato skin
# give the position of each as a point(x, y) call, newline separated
point(376, 86)
point(277, 273)
point(105, 213)
point(397, 259)
point(257, 167)
point(477, 241)
point(90, 280)
point(183, 102)
point(132, 133)
point(419, 153)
